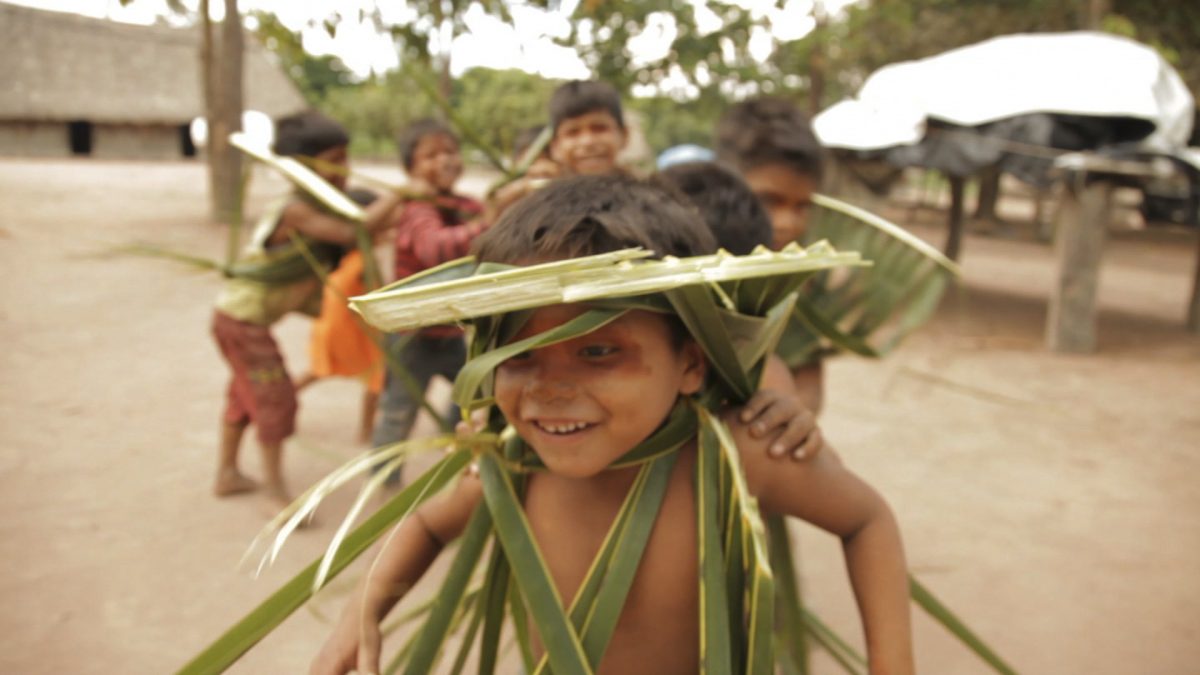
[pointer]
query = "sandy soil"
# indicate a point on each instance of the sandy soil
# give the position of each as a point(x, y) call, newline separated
point(1054, 501)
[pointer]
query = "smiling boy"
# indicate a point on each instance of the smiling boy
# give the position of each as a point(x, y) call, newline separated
point(585, 402)
point(589, 134)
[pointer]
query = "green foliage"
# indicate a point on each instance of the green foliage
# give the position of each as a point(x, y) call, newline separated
point(499, 103)
point(316, 76)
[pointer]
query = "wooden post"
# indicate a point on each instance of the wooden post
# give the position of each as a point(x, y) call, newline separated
point(955, 223)
point(1079, 244)
point(1193, 317)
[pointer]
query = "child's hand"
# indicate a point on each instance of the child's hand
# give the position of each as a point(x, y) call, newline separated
point(770, 413)
point(508, 195)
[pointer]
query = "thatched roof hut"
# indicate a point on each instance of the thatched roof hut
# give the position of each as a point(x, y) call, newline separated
point(83, 86)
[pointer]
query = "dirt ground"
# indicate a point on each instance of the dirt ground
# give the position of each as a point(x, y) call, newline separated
point(1053, 501)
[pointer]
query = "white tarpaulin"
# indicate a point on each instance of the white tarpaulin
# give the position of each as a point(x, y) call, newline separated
point(1085, 74)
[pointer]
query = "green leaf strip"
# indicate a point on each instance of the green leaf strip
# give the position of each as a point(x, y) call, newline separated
point(942, 614)
point(472, 376)
point(264, 618)
point(446, 604)
point(512, 528)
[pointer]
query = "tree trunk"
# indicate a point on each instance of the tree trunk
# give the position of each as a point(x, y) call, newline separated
point(222, 63)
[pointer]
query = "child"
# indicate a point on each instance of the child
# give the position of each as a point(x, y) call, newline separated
point(339, 346)
point(427, 233)
point(261, 391)
point(770, 142)
point(589, 128)
point(581, 404)
point(589, 133)
point(733, 214)
point(740, 224)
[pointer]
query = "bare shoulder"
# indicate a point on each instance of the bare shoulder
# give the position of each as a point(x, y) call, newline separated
point(821, 490)
point(446, 514)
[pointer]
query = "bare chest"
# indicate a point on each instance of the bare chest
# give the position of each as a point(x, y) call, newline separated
point(659, 627)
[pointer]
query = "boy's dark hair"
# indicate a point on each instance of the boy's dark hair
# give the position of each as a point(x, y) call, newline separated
point(412, 134)
point(733, 213)
point(580, 97)
point(766, 130)
point(586, 215)
point(307, 134)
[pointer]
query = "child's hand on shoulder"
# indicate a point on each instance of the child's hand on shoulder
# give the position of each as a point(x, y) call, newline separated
point(538, 175)
point(781, 419)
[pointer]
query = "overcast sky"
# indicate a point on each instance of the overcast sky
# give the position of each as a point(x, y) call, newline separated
point(528, 45)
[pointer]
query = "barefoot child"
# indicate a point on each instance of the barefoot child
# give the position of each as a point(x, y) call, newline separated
point(427, 234)
point(771, 143)
point(582, 404)
point(261, 391)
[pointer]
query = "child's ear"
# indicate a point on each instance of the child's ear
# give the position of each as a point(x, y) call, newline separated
point(695, 368)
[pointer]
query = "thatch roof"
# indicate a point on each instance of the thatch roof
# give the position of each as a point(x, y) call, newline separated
point(59, 66)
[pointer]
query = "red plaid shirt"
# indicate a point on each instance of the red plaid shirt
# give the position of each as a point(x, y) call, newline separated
point(429, 234)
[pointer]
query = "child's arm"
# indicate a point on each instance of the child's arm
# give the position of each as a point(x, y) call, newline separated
point(301, 216)
point(825, 493)
point(411, 548)
point(422, 232)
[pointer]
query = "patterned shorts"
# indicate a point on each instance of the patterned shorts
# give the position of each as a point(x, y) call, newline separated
point(261, 391)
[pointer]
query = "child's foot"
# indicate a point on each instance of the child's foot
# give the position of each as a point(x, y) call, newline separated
point(232, 482)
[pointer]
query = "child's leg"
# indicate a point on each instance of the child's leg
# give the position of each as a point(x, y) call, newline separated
point(230, 480)
point(272, 461)
point(397, 407)
point(367, 420)
point(239, 407)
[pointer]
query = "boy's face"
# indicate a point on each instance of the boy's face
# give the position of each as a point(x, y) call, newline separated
point(583, 403)
point(332, 158)
point(787, 196)
point(588, 144)
point(437, 161)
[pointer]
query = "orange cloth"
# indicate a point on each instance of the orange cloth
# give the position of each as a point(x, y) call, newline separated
point(339, 346)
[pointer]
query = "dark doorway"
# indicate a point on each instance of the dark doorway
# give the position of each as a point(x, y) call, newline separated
point(185, 141)
point(79, 133)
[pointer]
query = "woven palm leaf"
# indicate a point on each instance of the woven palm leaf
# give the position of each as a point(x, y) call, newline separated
point(868, 310)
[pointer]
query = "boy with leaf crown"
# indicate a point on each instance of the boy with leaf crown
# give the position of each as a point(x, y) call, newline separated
point(617, 443)
point(272, 279)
